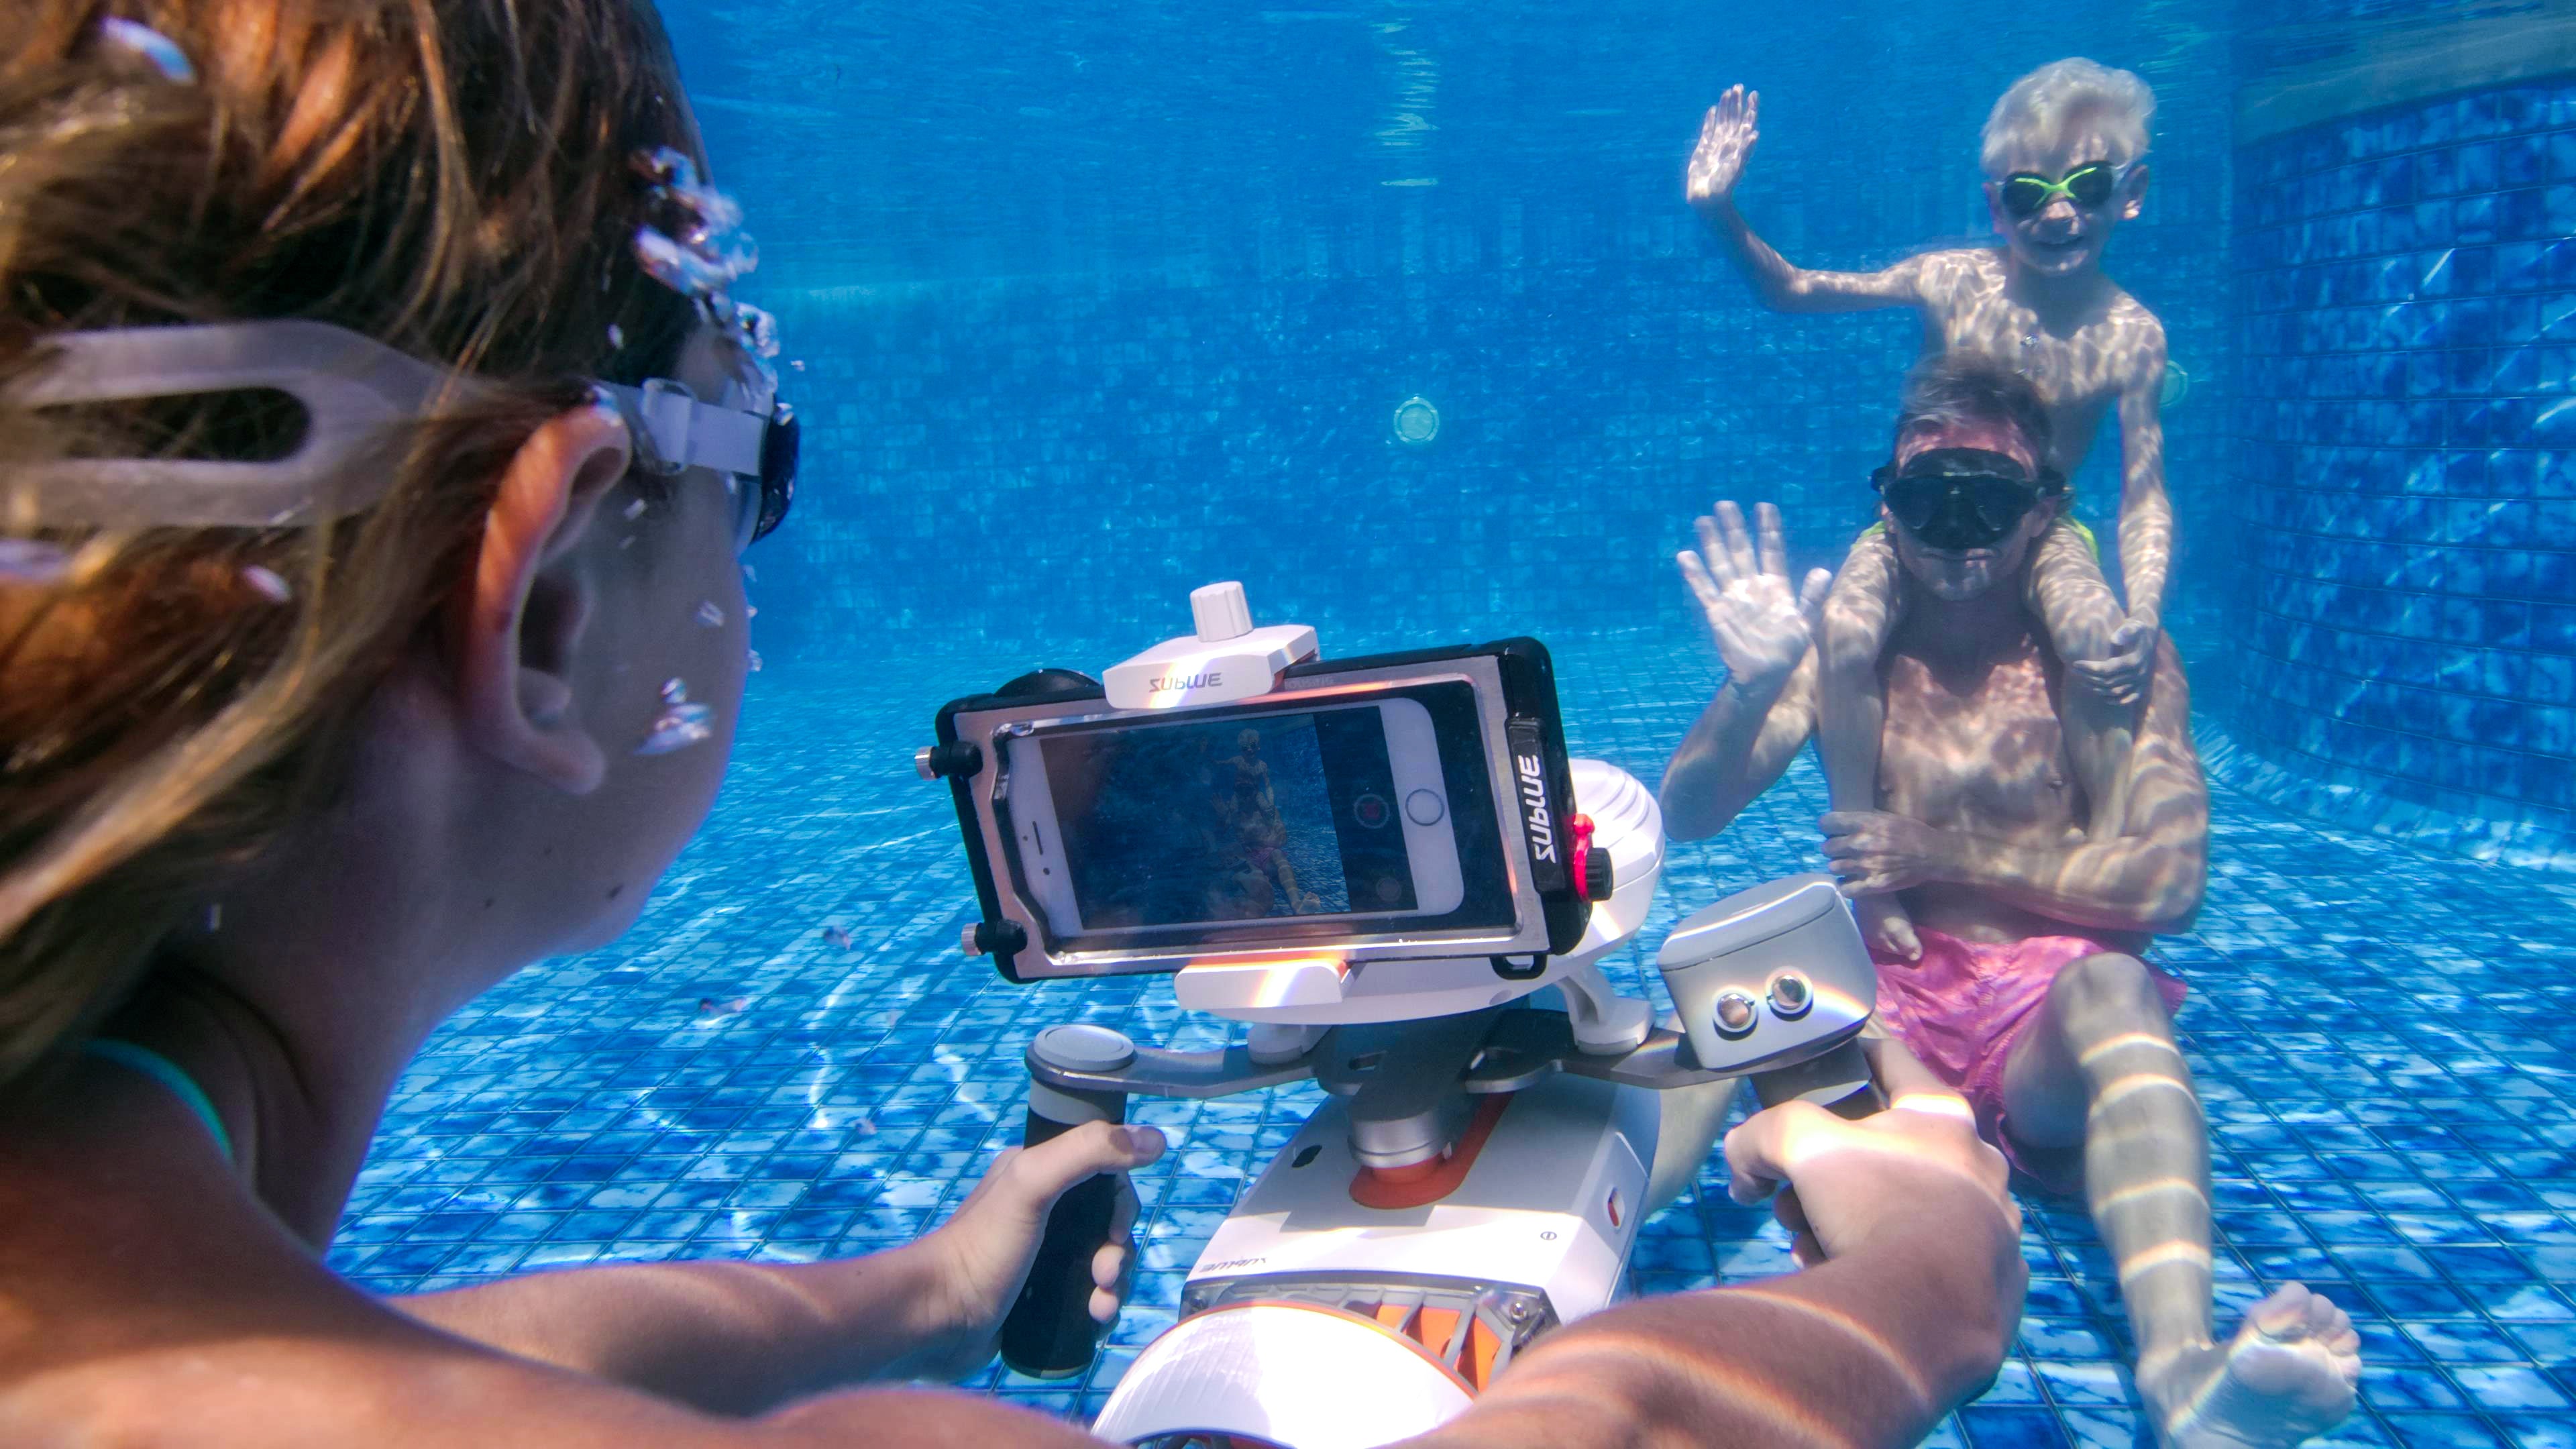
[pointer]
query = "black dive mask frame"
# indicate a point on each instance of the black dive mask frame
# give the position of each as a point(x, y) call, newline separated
point(1956, 499)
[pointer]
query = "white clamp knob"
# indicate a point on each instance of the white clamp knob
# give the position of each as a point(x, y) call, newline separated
point(1221, 612)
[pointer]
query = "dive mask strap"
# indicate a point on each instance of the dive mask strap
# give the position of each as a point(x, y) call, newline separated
point(353, 389)
point(675, 431)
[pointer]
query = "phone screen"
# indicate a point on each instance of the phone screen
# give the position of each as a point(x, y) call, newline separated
point(1241, 819)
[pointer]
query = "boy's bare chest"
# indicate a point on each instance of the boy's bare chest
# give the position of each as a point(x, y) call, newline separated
point(1980, 750)
point(2077, 371)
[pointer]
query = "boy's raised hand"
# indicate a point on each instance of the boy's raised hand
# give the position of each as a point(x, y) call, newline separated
point(1726, 138)
point(1762, 629)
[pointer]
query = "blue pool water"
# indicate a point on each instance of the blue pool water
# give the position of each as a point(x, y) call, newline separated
point(1088, 304)
point(2379, 1033)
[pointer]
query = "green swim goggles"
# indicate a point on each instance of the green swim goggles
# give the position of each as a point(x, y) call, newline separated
point(2027, 193)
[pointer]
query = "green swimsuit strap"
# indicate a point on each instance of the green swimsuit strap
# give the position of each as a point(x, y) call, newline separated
point(169, 1074)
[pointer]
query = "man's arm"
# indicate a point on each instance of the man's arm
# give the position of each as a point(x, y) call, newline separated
point(2149, 878)
point(2146, 512)
point(1765, 635)
point(1737, 748)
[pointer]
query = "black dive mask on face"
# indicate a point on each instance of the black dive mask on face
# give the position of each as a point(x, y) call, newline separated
point(1955, 499)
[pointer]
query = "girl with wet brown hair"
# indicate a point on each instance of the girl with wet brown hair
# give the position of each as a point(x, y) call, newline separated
point(377, 446)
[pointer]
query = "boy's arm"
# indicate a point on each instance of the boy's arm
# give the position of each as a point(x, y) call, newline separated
point(2146, 513)
point(2149, 878)
point(1726, 139)
point(1786, 287)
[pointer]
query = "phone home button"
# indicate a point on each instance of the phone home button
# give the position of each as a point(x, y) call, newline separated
point(1422, 807)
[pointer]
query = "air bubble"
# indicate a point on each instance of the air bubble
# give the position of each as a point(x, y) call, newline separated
point(675, 690)
point(759, 330)
point(710, 615)
point(163, 53)
point(27, 561)
point(267, 584)
point(635, 510)
point(677, 728)
point(710, 251)
point(755, 661)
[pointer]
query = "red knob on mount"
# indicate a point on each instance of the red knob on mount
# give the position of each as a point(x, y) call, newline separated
point(1591, 866)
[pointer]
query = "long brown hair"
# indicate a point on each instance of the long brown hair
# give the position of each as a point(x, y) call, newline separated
point(451, 177)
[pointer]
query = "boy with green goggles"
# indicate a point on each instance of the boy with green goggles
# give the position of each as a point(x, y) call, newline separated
point(2064, 149)
point(2027, 193)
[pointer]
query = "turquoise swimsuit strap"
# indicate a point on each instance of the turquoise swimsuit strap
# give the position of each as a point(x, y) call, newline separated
point(169, 1074)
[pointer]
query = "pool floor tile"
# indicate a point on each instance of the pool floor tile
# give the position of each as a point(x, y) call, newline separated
point(729, 1081)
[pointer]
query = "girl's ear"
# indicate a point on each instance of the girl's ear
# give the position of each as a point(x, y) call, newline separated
point(516, 626)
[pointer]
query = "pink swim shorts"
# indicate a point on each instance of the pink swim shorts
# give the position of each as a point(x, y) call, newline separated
point(1963, 1008)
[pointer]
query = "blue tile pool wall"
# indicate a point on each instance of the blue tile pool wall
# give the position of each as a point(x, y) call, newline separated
point(2407, 282)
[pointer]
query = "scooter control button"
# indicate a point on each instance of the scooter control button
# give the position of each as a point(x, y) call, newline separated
point(1083, 1048)
point(1734, 1014)
point(1791, 995)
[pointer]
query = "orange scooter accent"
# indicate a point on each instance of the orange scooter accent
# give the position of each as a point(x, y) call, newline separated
point(1428, 1182)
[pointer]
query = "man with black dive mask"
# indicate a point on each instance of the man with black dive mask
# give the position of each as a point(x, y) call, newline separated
point(1962, 502)
point(2027, 993)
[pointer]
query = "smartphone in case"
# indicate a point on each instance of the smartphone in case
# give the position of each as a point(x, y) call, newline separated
point(1392, 807)
point(1330, 812)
